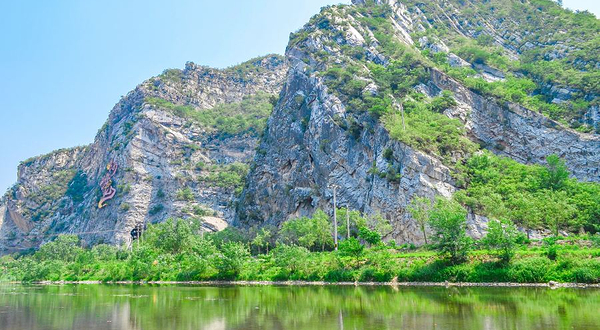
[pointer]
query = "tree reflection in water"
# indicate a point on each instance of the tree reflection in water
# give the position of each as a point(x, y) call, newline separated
point(136, 307)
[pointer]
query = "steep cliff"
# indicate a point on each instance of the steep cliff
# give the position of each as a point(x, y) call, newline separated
point(386, 100)
point(337, 122)
point(180, 143)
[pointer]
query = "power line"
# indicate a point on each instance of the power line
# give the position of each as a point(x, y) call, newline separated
point(58, 234)
point(80, 233)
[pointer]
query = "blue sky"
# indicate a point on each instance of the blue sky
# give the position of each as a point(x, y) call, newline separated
point(64, 64)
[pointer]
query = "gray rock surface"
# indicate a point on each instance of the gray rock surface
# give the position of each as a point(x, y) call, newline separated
point(157, 153)
point(306, 150)
point(313, 141)
point(297, 165)
point(524, 135)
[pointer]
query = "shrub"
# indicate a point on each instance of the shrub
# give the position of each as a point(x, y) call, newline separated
point(595, 239)
point(351, 247)
point(231, 259)
point(530, 270)
point(246, 117)
point(370, 236)
point(448, 222)
point(185, 194)
point(64, 248)
point(551, 251)
point(308, 232)
point(419, 209)
point(290, 258)
point(156, 209)
point(502, 236)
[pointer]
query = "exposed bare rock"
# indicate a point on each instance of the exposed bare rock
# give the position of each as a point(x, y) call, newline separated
point(307, 148)
point(165, 162)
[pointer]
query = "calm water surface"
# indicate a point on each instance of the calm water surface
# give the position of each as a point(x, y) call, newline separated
point(91, 307)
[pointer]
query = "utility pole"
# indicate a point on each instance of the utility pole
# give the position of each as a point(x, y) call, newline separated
point(335, 231)
point(402, 112)
point(347, 222)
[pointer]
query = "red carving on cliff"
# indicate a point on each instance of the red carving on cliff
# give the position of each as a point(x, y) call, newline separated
point(108, 192)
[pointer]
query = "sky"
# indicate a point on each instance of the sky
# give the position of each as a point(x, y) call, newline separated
point(64, 64)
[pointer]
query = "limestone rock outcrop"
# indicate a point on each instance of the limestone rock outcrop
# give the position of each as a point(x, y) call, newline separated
point(197, 143)
point(168, 165)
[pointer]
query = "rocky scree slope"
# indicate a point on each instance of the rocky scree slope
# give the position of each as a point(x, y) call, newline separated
point(181, 141)
point(354, 72)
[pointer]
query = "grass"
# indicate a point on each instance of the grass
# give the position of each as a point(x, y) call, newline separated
point(246, 117)
point(172, 251)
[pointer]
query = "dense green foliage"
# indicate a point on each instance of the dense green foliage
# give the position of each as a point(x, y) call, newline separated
point(448, 220)
point(408, 115)
point(172, 252)
point(226, 176)
point(531, 196)
point(308, 232)
point(503, 237)
point(175, 250)
point(428, 130)
point(557, 46)
point(246, 117)
point(185, 194)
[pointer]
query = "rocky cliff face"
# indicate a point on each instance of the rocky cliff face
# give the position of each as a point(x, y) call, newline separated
point(170, 162)
point(519, 133)
point(184, 142)
point(300, 161)
point(314, 142)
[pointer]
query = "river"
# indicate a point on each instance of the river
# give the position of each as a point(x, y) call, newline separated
point(95, 306)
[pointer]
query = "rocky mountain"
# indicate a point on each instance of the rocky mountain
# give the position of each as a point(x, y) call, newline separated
point(385, 100)
point(180, 145)
point(325, 133)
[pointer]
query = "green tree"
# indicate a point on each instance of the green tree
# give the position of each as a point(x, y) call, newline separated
point(351, 247)
point(373, 228)
point(370, 236)
point(502, 236)
point(64, 247)
point(525, 210)
point(557, 212)
point(448, 220)
point(323, 229)
point(173, 236)
point(419, 209)
point(290, 258)
point(229, 234)
point(380, 224)
point(297, 232)
point(262, 239)
point(353, 217)
point(308, 232)
point(555, 173)
point(231, 259)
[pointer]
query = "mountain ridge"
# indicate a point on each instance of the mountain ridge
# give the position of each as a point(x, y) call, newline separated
point(378, 97)
point(157, 151)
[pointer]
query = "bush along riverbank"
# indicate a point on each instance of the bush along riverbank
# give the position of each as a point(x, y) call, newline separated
point(302, 250)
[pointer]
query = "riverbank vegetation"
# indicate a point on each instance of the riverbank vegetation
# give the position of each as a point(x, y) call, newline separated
point(535, 198)
point(303, 250)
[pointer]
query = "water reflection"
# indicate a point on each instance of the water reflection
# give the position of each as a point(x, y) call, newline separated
point(266, 307)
